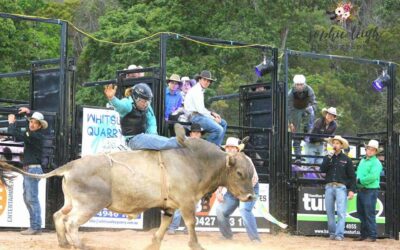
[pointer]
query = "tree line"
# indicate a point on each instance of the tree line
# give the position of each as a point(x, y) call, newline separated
point(372, 32)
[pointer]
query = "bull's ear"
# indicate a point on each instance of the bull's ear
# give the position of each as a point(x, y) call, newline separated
point(230, 161)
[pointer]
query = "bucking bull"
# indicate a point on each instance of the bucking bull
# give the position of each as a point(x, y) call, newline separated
point(130, 182)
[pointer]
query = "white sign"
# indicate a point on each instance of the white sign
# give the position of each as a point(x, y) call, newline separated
point(13, 212)
point(108, 219)
point(206, 214)
point(101, 132)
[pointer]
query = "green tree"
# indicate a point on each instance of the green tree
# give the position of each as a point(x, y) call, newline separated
point(297, 25)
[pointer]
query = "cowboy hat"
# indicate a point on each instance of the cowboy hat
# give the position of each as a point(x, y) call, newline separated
point(343, 141)
point(175, 78)
point(40, 118)
point(185, 78)
point(233, 142)
point(195, 127)
point(330, 110)
point(374, 144)
point(206, 75)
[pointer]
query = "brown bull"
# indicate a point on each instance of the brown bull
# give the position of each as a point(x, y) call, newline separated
point(131, 182)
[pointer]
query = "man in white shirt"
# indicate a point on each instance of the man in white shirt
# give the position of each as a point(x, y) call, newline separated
point(211, 122)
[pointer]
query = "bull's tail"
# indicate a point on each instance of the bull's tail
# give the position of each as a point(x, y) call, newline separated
point(57, 172)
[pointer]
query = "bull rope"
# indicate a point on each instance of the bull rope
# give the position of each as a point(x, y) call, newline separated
point(163, 176)
point(111, 160)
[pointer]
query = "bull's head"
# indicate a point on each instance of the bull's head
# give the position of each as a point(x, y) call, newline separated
point(240, 174)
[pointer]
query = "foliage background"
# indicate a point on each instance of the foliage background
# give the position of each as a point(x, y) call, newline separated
point(279, 23)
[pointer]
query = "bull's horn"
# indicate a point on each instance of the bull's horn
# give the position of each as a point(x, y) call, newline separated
point(243, 143)
point(180, 134)
point(230, 160)
point(245, 140)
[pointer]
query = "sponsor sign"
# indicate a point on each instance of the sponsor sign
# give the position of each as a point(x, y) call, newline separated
point(13, 212)
point(108, 219)
point(206, 216)
point(101, 133)
point(312, 219)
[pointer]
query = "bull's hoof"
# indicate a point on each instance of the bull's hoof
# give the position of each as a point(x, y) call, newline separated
point(64, 244)
point(153, 246)
point(84, 247)
point(195, 246)
point(180, 134)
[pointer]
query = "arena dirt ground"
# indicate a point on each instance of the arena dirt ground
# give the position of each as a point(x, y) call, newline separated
point(132, 240)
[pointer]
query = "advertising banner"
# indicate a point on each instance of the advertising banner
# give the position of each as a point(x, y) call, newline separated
point(206, 216)
point(312, 219)
point(13, 212)
point(101, 133)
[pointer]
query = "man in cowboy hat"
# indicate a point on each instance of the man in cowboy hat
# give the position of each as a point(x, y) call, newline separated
point(181, 114)
point(228, 202)
point(32, 160)
point(301, 103)
point(196, 131)
point(340, 185)
point(210, 121)
point(368, 178)
point(173, 97)
point(326, 125)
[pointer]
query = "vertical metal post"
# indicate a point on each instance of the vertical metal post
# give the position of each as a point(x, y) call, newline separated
point(64, 94)
point(392, 173)
point(162, 129)
point(286, 142)
point(284, 108)
point(274, 151)
point(396, 201)
point(72, 88)
point(277, 168)
point(31, 87)
point(54, 200)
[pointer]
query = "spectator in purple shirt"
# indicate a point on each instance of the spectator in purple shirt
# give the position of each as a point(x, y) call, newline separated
point(186, 86)
point(173, 98)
